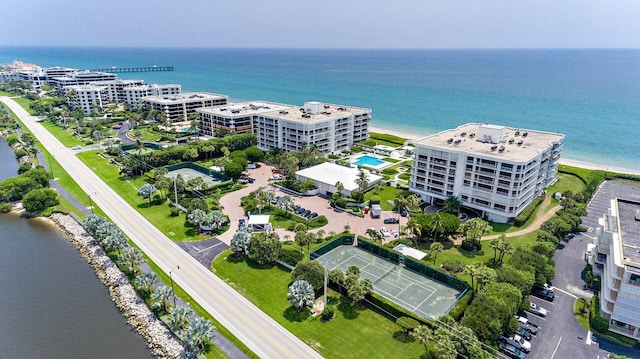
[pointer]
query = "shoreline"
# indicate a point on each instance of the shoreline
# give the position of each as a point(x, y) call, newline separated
point(564, 161)
point(160, 340)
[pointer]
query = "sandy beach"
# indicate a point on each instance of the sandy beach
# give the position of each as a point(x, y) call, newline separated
point(564, 161)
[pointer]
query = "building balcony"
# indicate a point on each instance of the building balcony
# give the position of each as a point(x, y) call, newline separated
point(623, 331)
point(602, 258)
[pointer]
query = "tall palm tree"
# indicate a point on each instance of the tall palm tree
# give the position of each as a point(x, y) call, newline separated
point(362, 181)
point(495, 244)
point(506, 248)
point(286, 203)
point(131, 257)
point(161, 298)
point(437, 226)
point(472, 270)
point(452, 204)
point(339, 187)
point(146, 280)
point(436, 248)
point(414, 229)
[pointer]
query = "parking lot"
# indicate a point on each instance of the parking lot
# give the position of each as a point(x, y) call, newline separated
point(561, 336)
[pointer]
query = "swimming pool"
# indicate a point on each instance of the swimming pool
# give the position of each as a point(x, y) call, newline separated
point(367, 160)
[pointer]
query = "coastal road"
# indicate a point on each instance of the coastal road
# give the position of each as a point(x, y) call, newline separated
point(259, 332)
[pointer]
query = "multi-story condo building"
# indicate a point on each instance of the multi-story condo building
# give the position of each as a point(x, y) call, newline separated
point(496, 170)
point(89, 98)
point(115, 88)
point(178, 107)
point(332, 128)
point(58, 71)
point(616, 257)
point(79, 78)
point(234, 117)
point(133, 95)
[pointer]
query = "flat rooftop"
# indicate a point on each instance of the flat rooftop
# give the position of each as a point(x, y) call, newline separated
point(243, 109)
point(629, 230)
point(514, 144)
point(331, 173)
point(328, 112)
point(184, 97)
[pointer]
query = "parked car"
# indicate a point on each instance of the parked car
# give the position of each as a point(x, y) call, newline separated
point(306, 213)
point(517, 341)
point(511, 351)
point(537, 310)
point(524, 333)
point(299, 210)
point(391, 220)
point(545, 294)
point(403, 212)
point(526, 325)
point(385, 231)
point(548, 286)
point(76, 147)
point(313, 215)
point(241, 223)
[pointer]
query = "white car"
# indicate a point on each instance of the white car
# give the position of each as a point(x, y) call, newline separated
point(76, 147)
point(385, 231)
point(537, 310)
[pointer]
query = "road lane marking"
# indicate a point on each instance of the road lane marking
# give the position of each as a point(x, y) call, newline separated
point(556, 349)
point(206, 249)
point(588, 341)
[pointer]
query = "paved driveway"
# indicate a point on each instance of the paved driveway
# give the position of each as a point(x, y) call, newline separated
point(337, 220)
point(561, 336)
point(204, 251)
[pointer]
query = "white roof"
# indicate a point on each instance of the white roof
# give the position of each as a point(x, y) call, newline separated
point(410, 252)
point(258, 219)
point(331, 173)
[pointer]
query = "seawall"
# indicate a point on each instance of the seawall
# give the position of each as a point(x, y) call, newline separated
point(160, 339)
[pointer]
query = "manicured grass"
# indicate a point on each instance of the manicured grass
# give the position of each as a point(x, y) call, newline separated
point(386, 193)
point(146, 134)
point(173, 227)
point(353, 333)
point(389, 159)
point(25, 104)
point(64, 136)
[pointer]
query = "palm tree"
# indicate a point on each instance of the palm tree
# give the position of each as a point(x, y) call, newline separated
point(495, 244)
point(437, 225)
point(208, 149)
point(506, 248)
point(472, 270)
point(414, 229)
point(339, 188)
point(301, 294)
point(198, 334)
point(485, 276)
point(452, 205)
point(424, 335)
point(114, 241)
point(362, 181)
point(131, 257)
point(474, 229)
point(436, 248)
point(179, 316)
point(161, 298)
point(194, 119)
point(146, 281)
point(286, 203)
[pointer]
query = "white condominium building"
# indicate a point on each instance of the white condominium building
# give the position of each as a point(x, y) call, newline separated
point(332, 128)
point(616, 257)
point(178, 107)
point(115, 88)
point(79, 78)
point(496, 170)
point(58, 71)
point(234, 117)
point(133, 95)
point(89, 98)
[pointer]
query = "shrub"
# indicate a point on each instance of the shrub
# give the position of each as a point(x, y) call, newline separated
point(20, 153)
point(174, 212)
point(87, 143)
point(328, 313)
point(24, 167)
point(341, 202)
point(389, 171)
point(453, 266)
point(5, 207)
point(375, 200)
point(290, 256)
point(407, 324)
point(12, 139)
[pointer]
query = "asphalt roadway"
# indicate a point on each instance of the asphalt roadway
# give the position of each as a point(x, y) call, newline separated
point(264, 336)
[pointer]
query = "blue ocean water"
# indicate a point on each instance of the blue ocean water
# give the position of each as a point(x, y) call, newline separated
point(592, 96)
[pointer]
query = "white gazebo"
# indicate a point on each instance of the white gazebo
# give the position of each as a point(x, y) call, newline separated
point(259, 222)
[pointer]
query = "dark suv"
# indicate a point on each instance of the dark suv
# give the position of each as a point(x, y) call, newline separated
point(544, 294)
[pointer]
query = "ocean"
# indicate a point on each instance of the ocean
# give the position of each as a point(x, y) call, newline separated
point(591, 96)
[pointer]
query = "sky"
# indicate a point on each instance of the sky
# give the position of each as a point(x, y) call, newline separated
point(323, 23)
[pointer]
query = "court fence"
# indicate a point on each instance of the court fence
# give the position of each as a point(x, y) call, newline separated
point(153, 146)
point(345, 239)
point(397, 258)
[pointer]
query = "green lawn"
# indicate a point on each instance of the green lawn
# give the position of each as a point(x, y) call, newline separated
point(64, 136)
point(25, 104)
point(173, 227)
point(354, 333)
point(146, 134)
point(386, 193)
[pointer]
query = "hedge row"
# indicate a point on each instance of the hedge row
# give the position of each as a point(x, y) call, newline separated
point(597, 322)
point(523, 217)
